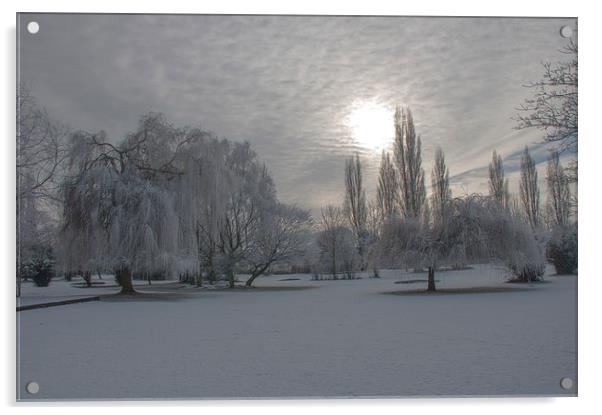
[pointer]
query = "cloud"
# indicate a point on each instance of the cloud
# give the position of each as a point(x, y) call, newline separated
point(287, 83)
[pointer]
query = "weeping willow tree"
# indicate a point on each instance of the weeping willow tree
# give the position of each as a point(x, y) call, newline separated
point(119, 213)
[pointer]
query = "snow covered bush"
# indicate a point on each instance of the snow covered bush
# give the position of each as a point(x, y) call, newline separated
point(39, 267)
point(513, 241)
point(562, 249)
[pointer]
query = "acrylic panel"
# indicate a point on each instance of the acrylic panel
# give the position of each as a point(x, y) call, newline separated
point(281, 206)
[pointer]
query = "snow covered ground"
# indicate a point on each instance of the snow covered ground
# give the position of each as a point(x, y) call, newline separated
point(303, 338)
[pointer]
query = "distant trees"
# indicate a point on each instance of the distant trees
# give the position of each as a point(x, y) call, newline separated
point(441, 193)
point(498, 184)
point(335, 240)
point(355, 207)
point(408, 159)
point(559, 193)
point(529, 188)
point(387, 193)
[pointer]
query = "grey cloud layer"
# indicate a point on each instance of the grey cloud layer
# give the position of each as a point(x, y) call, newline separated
point(286, 84)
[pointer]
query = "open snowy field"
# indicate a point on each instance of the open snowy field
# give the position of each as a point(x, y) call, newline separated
point(303, 338)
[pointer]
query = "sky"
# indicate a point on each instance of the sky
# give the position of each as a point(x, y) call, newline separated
point(306, 91)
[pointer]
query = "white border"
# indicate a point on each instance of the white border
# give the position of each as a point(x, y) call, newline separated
point(590, 290)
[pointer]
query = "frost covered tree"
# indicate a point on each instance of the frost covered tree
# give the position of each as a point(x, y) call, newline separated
point(441, 193)
point(387, 193)
point(498, 184)
point(559, 194)
point(529, 188)
point(41, 150)
point(408, 159)
point(480, 229)
point(118, 210)
point(355, 207)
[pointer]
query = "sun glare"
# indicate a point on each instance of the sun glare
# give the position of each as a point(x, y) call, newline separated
point(371, 124)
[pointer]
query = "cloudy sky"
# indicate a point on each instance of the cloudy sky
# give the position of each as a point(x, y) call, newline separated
point(306, 92)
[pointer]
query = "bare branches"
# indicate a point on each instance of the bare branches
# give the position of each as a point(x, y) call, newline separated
point(553, 106)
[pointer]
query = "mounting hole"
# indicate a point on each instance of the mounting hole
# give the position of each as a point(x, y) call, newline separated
point(566, 31)
point(566, 383)
point(32, 387)
point(33, 27)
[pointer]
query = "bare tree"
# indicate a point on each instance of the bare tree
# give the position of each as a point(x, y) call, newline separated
point(559, 194)
point(440, 187)
point(553, 106)
point(408, 158)
point(498, 184)
point(387, 193)
point(278, 238)
point(529, 188)
point(355, 203)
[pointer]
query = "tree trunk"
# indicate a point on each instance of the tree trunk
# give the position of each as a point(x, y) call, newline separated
point(231, 278)
point(431, 279)
point(255, 274)
point(126, 282)
point(199, 280)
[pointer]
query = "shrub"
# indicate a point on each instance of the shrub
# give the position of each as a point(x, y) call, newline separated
point(40, 268)
point(38, 265)
point(562, 249)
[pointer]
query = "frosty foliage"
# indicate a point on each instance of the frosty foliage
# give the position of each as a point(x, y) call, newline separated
point(173, 201)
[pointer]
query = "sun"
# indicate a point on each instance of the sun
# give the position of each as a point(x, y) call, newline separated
point(371, 124)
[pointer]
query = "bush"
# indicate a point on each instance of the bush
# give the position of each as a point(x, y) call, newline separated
point(38, 265)
point(562, 249)
point(40, 268)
